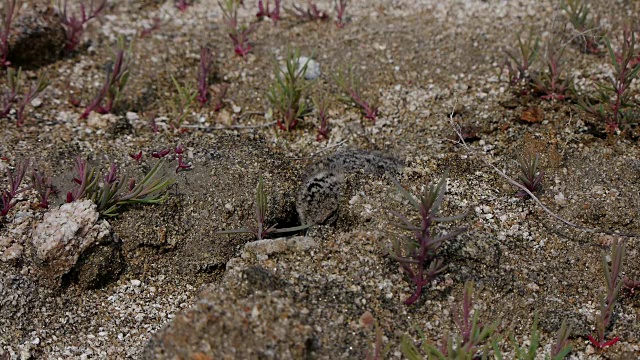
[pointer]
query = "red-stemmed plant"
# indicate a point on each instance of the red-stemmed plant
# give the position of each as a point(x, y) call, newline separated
point(321, 107)
point(264, 10)
point(43, 186)
point(239, 35)
point(614, 283)
point(203, 76)
point(311, 13)
point(75, 24)
point(15, 179)
point(340, 7)
point(419, 260)
point(112, 193)
point(615, 104)
point(115, 81)
point(182, 5)
point(350, 85)
point(7, 20)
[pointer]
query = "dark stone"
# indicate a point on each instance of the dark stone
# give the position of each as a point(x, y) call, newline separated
point(122, 126)
point(98, 266)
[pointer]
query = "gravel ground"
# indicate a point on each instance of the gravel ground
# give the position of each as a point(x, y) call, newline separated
point(178, 289)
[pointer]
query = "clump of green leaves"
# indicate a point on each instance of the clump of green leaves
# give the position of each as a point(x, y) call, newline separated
point(260, 229)
point(589, 33)
point(286, 94)
point(614, 103)
point(419, 260)
point(530, 177)
point(112, 193)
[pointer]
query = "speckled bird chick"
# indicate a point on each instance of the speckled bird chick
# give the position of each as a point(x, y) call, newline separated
point(319, 195)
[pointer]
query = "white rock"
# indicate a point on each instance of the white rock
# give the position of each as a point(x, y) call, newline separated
point(131, 116)
point(136, 282)
point(13, 252)
point(313, 68)
point(65, 233)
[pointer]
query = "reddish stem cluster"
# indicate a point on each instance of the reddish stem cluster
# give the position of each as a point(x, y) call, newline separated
point(340, 6)
point(9, 9)
point(178, 150)
point(370, 112)
point(115, 80)
point(182, 5)
point(203, 76)
point(15, 179)
point(75, 24)
point(265, 11)
point(312, 13)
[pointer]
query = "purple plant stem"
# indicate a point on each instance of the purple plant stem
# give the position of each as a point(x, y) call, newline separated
point(9, 8)
point(74, 26)
point(203, 76)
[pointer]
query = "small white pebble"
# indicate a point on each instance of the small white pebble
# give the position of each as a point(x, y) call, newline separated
point(136, 282)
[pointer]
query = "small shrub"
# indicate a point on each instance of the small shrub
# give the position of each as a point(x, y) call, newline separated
point(560, 349)
point(340, 7)
point(419, 261)
point(43, 186)
point(182, 5)
point(181, 102)
point(218, 100)
point(321, 112)
point(10, 96)
point(463, 346)
point(550, 85)
point(379, 352)
point(311, 13)
point(265, 11)
point(286, 94)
